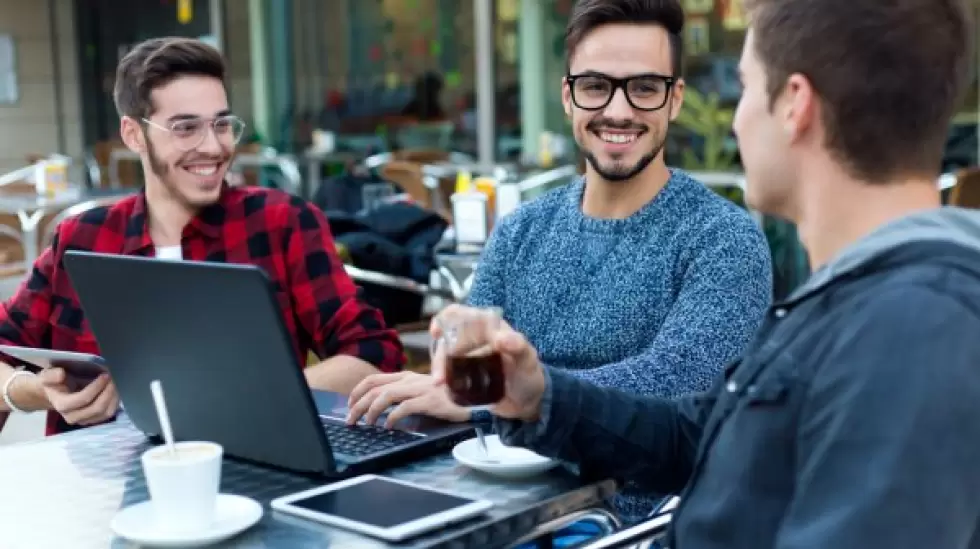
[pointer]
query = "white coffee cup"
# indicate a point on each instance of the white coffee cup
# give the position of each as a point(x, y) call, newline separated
point(183, 485)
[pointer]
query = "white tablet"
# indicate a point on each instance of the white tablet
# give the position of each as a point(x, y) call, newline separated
point(83, 365)
point(385, 508)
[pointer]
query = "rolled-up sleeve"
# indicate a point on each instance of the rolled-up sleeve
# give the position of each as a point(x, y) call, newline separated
point(326, 300)
point(24, 318)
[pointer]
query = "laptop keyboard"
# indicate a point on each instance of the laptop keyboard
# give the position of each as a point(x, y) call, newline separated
point(362, 440)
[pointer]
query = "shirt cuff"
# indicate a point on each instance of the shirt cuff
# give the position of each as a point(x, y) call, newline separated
point(559, 411)
point(481, 416)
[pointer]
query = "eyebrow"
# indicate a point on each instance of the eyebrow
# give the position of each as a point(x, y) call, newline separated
point(179, 117)
point(634, 75)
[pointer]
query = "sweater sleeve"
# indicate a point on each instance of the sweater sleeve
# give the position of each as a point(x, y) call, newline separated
point(726, 290)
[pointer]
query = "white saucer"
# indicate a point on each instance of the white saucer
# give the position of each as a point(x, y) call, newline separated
point(502, 461)
point(234, 514)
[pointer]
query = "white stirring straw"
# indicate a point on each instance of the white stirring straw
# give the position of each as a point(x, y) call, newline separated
point(164, 417)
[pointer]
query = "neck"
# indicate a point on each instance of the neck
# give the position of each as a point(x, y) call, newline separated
point(839, 211)
point(166, 216)
point(620, 199)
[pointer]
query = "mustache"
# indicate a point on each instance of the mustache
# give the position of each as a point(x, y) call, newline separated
point(216, 158)
point(612, 124)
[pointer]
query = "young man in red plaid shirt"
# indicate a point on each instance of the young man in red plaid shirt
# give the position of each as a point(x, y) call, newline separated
point(171, 97)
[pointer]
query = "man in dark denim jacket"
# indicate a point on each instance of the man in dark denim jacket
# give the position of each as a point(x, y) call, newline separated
point(853, 419)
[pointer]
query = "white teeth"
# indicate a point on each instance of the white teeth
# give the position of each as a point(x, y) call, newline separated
point(203, 170)
point(618, 137)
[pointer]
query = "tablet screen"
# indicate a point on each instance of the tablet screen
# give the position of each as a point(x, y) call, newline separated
point(380, 503)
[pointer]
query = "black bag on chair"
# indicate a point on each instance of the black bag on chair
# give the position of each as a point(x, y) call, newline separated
point(394, 239)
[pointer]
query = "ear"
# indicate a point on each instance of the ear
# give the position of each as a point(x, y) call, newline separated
point(566, 97)
point(132, 135)
point(676, 101)
point(797, 107)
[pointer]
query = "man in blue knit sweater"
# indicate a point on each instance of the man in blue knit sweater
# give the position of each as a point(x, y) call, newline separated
point(635, 277)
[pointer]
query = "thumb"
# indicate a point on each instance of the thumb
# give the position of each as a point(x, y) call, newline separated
point(52, 376)
point(513, 344)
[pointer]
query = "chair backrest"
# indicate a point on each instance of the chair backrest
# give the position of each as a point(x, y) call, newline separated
point(124, 170)
point(74, 210)
point(279, 169)
point(538, 184)
point(408, 176)
point(642, 535)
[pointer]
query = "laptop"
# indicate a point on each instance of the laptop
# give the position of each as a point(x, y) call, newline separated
point(213, 334)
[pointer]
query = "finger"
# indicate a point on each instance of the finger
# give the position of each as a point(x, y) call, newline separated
point(72, 402)
point(101, 408)
point(114, 406)
point(475, 330)
point(410, 407)
point(446, 316)
point(356, 411)
point(382, 397)
point(370, 382)
point(386, 398)
point(513, 345)
point(51, 377)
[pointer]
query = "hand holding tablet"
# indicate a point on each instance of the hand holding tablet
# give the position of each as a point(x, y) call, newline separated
point(83, 367)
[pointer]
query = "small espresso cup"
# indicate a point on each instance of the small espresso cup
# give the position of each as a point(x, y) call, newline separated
point(183, 484)
point(473, 369)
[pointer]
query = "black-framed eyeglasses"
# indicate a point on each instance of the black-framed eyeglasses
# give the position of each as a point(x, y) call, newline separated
point(644, 92)
point(188, 134)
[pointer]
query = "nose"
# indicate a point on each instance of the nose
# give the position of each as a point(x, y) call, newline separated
point(618, 108)
point(210, 144)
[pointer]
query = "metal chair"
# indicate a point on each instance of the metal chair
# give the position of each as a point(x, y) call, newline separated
point(396, 282)
point(964, 188)
point(641, 536)
point(76, 209)
point(540, 183)
point(389, 295)
point(287, 175)
point(605, 520)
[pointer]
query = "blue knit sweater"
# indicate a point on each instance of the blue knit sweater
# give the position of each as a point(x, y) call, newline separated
point(654, 304)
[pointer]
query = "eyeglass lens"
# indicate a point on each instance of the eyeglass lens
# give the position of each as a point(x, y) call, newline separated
point(191, 133)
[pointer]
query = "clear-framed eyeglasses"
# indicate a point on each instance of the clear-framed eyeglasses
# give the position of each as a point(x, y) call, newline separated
point(188, 134)
point(644, 92)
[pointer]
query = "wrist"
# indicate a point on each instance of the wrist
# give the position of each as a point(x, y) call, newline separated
point(27, 394)
point(531, 411)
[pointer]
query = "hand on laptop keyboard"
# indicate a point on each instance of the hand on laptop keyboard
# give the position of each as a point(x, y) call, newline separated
point(362, 439)
point(404, 394)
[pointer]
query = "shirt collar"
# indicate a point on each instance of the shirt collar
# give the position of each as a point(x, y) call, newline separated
point(206, 223)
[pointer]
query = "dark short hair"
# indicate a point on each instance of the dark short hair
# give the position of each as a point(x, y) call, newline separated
point(157, 62)
point(587, 15)
point(889, 75)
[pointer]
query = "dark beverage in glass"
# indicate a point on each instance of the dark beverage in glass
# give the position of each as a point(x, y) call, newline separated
point(475, 379)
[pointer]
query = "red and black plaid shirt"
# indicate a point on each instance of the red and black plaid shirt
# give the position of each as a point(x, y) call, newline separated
point(285, 235)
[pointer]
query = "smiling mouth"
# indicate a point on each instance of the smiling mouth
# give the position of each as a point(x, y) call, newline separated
point(203, 169)
point(618, 138)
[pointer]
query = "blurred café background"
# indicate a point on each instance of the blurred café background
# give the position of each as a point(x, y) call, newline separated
point(452, 106)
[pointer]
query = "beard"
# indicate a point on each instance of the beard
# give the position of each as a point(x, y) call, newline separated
point(164, 174)
point(617, 170)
